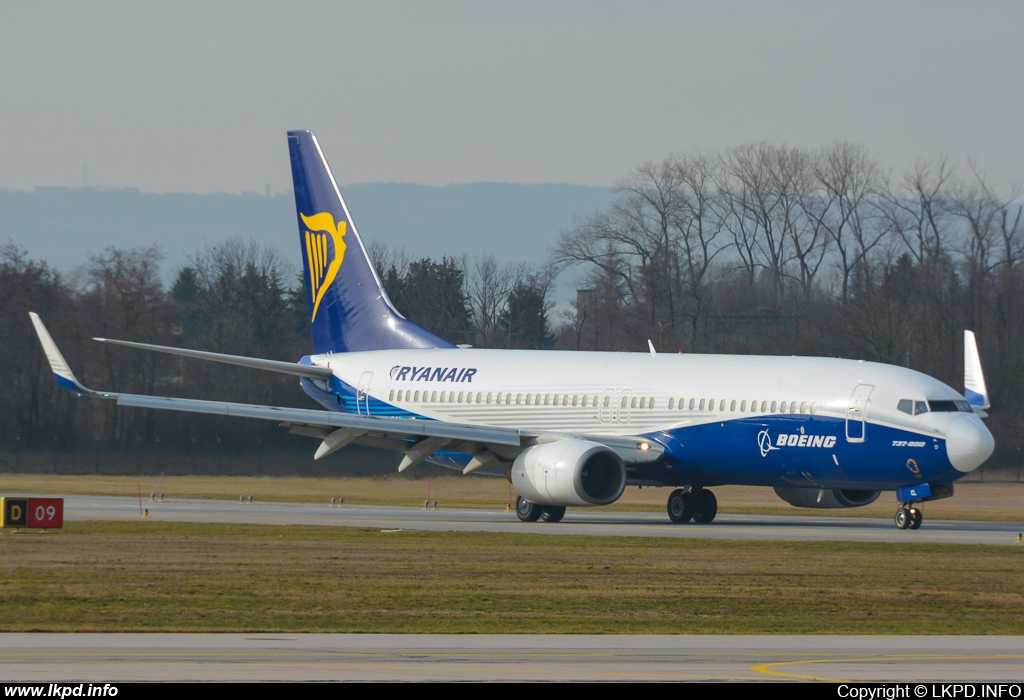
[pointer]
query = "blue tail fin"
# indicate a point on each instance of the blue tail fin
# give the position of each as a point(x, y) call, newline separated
point(349, 310)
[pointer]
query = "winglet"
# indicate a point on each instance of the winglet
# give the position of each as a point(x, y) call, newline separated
point(65, 377)
point(974, 379)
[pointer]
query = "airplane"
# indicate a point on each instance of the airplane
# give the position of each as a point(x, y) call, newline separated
point(576, 428)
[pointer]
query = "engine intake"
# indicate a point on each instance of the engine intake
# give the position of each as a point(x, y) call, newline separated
point(569, 473)
point(825, 498)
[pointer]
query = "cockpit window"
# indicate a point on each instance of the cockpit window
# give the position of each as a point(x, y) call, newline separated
point(913, 408)
point(950, 406)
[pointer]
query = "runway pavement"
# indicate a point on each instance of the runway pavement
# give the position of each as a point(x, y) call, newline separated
point(249, 657)
point(576, 522)
point(134, 657)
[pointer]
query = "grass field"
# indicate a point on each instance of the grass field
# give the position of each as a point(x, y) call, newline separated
point(158, 576)
point(973, 501)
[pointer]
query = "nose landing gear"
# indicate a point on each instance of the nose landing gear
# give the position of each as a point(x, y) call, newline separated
point(908, 517)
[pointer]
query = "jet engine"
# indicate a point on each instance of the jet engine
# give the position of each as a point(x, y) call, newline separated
point(825, 498)
point(569, 473)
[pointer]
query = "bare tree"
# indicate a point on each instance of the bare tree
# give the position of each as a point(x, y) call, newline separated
point(758, 212)
point(700, 228)
point(850, 180)
point(488, 286)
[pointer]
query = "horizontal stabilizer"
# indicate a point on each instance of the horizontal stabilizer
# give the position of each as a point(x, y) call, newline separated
point(292, 368)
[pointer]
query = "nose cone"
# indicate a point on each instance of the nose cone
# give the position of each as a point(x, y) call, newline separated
point(968, 442)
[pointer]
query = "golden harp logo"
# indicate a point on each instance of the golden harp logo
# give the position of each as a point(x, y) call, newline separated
point(325, 249)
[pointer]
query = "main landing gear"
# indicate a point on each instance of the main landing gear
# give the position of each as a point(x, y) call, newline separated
point(698, 505)
point(531, 512)
point(909, 517)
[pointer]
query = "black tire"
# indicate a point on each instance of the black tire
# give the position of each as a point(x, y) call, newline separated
point(528, 512)
point(552, 514)
point(705, 506)
point(916, 518)
point(680, 506)
point(902, 518)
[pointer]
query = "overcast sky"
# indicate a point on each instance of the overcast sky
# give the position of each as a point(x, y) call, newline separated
point(196, 96)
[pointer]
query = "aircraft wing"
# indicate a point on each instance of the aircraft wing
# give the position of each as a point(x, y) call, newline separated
point(417, 438)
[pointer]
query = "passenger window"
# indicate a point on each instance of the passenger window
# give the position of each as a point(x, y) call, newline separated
point(782, 407)
point(701, 407)
point(671, 403)
point(721, 406)
point(732, 405)
point(774, 404)
point(814, 407)
point(803, 407)
point(632, 404)
point(650, 402)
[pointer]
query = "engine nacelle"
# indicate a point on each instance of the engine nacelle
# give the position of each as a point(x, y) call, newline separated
point(569, 473)
point(825, 498)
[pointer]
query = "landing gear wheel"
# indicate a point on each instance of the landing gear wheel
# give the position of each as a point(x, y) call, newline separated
point(552, 514)
point(903, 518)
point(680, 506)
point(705, 506)
point(916, 517)
point(528, 512)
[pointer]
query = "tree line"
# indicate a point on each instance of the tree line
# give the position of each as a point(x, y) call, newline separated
point(762, 249)
point(237, 297)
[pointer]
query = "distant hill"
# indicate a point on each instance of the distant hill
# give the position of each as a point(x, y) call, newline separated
point(63, 225)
